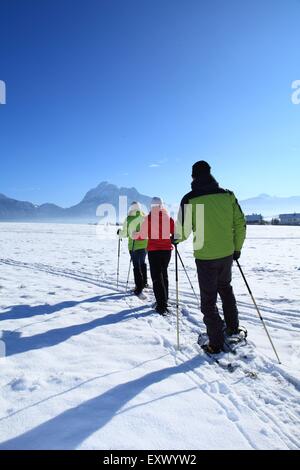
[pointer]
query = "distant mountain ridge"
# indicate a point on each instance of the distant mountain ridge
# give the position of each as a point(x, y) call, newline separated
point(107, 193)
point(85, 210)
point(271, 206)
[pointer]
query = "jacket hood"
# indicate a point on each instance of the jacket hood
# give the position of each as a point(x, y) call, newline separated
point(205, 183)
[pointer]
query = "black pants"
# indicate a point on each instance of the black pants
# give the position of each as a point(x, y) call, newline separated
point(215, 278)
point(159, 262)
point(139, 268)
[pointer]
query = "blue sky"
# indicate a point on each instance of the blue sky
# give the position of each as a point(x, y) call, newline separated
point(135, 91)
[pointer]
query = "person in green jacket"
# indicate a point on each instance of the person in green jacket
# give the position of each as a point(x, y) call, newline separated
point(218, 225)
point(137, 248)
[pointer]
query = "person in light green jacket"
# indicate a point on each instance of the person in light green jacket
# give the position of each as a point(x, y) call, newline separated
point(137, 248)
point(218, 225)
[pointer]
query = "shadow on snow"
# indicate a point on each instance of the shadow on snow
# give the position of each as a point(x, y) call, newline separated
point(16, 344)
point(70, 428)
point(27, 311)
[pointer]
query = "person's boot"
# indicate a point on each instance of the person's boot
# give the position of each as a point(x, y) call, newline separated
point(161, 310)
point(231, 331)
point(210, 349)
point(235, 331)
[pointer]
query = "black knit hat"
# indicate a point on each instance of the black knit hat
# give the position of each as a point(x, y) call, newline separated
point(200, 168)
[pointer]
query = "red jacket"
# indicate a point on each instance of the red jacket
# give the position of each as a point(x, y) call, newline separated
point(157, 227)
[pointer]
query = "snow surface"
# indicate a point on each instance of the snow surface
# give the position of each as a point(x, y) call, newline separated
point(88, 367)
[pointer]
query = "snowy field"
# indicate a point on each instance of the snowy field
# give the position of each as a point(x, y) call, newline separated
point(88, 367)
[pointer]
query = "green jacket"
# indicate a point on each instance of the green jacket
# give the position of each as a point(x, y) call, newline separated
point(133, 224)
point(216, 220)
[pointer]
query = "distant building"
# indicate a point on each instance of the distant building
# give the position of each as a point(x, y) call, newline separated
point(255, 219)
point(289, 219)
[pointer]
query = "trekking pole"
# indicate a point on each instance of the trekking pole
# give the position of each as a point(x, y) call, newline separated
point(257, 309)
point(177, 294)
point(129, 267)
point(187, 275)
point(118, 270)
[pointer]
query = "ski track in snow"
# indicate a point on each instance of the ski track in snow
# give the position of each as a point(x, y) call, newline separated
point(52, 326)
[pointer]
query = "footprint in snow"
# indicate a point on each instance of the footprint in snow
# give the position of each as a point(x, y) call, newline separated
point(232, 415)
point(54, 380)
point(223, 389)
point(19, 385)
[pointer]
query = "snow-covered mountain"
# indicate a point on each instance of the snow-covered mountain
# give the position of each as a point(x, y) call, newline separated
point(107, 193)
point(13, 209)
point(104, 193)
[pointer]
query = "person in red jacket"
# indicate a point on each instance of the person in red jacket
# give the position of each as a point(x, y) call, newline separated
point(158, 227)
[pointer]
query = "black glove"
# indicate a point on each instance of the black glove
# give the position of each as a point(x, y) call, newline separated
point(236, 255)
point(174, 241)
point(119, 231)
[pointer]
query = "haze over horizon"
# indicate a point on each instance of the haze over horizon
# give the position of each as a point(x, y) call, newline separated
point(108, 193)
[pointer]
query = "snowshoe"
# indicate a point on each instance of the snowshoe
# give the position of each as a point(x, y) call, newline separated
point(139, 294)
point(202, 339)
point(233, 337)
point(235, 340)
point(142, 296)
